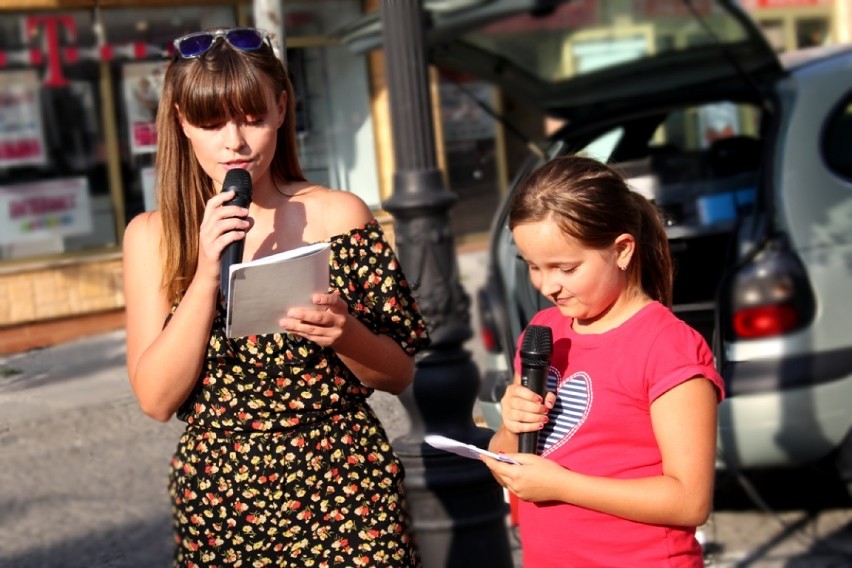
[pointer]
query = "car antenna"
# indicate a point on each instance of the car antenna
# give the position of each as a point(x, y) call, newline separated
point(764, 101)
point(531, 144)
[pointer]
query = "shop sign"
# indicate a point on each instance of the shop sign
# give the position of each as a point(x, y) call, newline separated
point(52, 54)
point(21, 132)
point(44, 210)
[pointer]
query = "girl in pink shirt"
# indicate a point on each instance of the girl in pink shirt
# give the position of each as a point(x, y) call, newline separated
point(625, 460)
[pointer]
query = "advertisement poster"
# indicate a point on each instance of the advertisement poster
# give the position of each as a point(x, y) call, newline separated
point(44, 210)
point(21, 132)
point(142, 87)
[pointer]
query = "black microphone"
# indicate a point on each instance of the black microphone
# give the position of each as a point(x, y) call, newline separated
point(536, 348)
point(239, 181)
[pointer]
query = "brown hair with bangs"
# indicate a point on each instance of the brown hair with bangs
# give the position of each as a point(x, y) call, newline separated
point(592, 203)
point(221, 82)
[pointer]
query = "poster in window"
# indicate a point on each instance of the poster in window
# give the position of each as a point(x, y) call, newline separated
point(21, 129)
point(142, 87)
point(44, 210)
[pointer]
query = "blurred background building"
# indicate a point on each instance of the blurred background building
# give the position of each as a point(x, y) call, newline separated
point(79, 88)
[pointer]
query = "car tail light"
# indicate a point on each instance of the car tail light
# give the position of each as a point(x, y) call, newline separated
point(765, 321)
point(771, 295)
point(488, 339)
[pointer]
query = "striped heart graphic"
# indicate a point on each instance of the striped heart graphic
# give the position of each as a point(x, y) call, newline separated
point(573, 401)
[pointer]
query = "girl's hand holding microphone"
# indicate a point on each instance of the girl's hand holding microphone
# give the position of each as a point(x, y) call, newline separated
point(523, 411)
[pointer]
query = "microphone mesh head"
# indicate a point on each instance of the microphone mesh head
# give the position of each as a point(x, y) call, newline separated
point(237, 180)
point(537, 342)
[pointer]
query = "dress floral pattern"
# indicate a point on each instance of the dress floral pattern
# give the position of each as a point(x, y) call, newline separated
point(283, 462)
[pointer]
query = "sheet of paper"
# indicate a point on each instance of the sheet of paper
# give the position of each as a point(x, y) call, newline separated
point(462, 449)
point(263, 290)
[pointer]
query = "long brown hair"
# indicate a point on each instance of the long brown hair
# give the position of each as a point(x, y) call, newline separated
point(222, 81)
point(592, 203)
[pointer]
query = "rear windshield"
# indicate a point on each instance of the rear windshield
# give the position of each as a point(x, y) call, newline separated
point(592, 35)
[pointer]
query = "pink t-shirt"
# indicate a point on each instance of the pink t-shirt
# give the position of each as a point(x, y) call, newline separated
point(601, 425)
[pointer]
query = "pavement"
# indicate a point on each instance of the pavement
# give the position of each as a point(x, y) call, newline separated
point(83, 471)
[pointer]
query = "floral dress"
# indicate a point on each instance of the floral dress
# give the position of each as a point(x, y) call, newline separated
point(283, 462)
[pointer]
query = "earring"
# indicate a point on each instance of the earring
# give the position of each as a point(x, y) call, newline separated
point(623, 268)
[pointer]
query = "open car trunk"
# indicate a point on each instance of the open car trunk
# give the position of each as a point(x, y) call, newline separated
point(706, 198)
point(645, 80)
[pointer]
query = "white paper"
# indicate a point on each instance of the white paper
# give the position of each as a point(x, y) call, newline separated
point(262, 290)
point(462, 449)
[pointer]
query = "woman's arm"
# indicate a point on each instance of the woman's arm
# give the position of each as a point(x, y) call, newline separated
point(164, 363)
point(377, 360)
point(684, 423)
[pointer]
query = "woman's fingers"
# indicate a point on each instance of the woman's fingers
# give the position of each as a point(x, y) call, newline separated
point(323, 322)
point(223, 224)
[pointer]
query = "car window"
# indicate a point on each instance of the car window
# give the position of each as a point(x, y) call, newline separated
point(601, 148)
point(837, 140)
point(699, 164)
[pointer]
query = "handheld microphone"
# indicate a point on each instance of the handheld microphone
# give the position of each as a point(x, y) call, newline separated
point(239, 181)
point(536, 348)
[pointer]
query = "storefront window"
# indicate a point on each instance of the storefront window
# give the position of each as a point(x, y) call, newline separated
point(52, 168)
point(138, 86)
point(77, 115)
point(71, 172)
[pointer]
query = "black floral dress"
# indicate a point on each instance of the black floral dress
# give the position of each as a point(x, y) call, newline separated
point(283, 463)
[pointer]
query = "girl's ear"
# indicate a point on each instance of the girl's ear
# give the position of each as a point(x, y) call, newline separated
point(625, 246)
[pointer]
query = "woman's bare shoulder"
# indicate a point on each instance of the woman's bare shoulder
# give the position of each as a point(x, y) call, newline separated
point(342, 210)
point(143, 231)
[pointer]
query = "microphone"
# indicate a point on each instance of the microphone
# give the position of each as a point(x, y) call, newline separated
point(536, 348)
point(239, 181)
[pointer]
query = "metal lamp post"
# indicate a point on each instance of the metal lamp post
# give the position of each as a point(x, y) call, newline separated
point(458, 509)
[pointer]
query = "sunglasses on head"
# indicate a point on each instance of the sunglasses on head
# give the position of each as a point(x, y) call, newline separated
point(195, 44)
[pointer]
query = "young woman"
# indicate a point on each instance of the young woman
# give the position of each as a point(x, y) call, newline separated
point(282, 462)
point(627, 429)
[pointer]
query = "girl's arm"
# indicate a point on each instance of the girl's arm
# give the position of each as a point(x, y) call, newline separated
point(684, 423)
point(164, 363)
